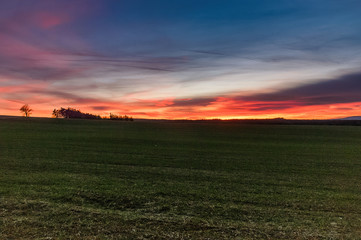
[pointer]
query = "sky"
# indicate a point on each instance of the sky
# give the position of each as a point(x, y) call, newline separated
point(182, 59)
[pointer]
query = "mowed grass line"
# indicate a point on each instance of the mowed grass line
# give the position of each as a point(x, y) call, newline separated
point(81, 179)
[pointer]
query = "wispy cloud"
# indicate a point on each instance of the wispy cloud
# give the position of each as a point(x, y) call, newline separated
point(166, 60)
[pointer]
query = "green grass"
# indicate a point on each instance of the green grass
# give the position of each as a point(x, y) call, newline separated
point(79, 179)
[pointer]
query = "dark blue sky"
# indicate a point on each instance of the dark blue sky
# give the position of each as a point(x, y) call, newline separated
point(172, 58)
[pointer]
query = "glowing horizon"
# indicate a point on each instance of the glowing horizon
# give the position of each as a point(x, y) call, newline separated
point(182, 60)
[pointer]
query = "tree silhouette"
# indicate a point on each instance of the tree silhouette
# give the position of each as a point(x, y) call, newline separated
point(73, 113)
point(26, 110)
point(56, 113)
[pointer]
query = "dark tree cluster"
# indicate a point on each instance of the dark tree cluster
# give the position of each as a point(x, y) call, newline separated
point(73, 113)
point(120, 117)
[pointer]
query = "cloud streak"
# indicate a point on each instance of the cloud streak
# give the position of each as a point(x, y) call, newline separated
point(166, 60)
point(344, 89)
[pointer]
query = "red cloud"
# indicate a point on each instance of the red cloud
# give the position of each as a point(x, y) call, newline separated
point(47, 20)
point(22, 88)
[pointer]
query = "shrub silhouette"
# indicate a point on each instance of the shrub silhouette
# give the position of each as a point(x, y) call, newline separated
point(120, 117)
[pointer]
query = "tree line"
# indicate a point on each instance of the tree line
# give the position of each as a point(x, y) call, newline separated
point(75, 113)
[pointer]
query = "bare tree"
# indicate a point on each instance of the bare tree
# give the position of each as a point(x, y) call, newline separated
point(26, 110)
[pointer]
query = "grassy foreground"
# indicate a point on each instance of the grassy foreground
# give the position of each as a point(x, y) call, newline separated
point(81, 179)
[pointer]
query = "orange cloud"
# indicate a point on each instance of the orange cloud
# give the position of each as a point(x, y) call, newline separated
point(225, 108)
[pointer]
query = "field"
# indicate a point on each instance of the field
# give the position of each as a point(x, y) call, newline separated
point(93, 179)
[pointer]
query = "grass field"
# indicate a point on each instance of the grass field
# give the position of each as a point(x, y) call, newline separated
point(83, 179)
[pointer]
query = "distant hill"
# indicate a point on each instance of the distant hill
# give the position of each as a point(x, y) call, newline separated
point(7, 116)
point(350, 118)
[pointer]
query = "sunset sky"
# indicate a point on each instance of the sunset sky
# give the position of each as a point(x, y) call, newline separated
point(182, 59)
